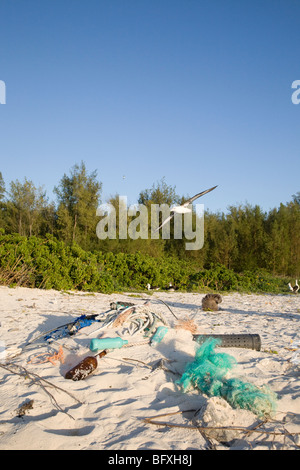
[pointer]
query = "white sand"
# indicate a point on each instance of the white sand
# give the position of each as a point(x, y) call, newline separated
point(115, 400)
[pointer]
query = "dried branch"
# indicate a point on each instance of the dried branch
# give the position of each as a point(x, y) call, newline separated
point(152, 420)
point(43, 383)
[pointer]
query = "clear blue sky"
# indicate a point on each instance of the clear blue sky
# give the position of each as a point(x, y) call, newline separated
point(196, 91)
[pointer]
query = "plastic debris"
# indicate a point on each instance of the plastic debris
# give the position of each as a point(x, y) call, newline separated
point(107, 343)
point(247, 341)
point(85, 368)
point(71, 328)
point(159, 335)
point(120, 304)
point(295, 359)
point(208, 373)
point(59, 356)
point(135, 319)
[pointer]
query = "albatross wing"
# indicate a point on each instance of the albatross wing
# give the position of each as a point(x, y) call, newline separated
point(199, 195)
point(164, 222)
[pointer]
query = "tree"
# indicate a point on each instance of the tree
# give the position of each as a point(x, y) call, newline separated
point(296, 198)
point(221, 239)
point(24, 206)
point(294, 237)
point(2, 203)
point(78, 198)
point(278, 243)
point(2, 187)
point(160, 193)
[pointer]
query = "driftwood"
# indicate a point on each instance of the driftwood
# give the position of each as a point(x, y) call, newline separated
point(37, 380)
point(204, 429)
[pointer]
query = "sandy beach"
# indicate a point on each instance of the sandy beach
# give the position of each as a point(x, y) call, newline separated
point(110, 409)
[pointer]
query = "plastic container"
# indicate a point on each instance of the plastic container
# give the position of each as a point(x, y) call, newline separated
point(85, 368)
point(116, 305)
point(107, 343)
point(247, 341)
point(159, 335)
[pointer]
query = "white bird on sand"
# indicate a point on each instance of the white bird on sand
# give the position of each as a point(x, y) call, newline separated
point(171, 288)
point(152, 288)
point(184, 207)
point(294, 288)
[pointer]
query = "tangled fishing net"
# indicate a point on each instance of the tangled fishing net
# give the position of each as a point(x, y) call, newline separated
point(208, 373)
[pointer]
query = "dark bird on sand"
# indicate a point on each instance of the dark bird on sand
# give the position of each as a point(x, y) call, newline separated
point(211, 302)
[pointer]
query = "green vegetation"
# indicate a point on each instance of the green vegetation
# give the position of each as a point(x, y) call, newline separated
point(55, 246)
point(51, 264)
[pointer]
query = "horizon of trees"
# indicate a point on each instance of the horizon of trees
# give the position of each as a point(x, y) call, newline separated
point(244, 239)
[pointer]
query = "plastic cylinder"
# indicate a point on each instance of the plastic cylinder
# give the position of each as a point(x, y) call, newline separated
point(159, 334)
point(247, 341)
point(107, 343)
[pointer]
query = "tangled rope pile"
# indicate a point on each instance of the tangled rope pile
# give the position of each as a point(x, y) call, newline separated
point(136, 319)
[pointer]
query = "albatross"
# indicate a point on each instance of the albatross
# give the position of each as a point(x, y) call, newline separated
point(171, 288)
point(184, 207)
point(151, 288)
point(294, 288)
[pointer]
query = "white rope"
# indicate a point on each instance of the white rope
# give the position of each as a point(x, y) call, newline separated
point(138, 320)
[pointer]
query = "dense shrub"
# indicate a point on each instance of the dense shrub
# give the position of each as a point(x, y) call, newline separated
point(49, 263)
point(220, 278)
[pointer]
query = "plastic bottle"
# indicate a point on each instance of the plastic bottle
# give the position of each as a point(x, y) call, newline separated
point(159, 335)
point(85, 368)
point(107, 343)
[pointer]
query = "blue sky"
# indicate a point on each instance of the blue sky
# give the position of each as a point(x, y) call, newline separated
point(196, 91)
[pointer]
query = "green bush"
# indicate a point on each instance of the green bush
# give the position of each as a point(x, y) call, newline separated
point(50, 264)
point(220, 278)
point(216, 277)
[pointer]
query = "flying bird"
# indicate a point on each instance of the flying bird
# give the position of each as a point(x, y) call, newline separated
point(184, 207)
point(294, 288)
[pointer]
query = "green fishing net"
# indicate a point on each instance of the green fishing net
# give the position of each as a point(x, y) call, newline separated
point(209, 373)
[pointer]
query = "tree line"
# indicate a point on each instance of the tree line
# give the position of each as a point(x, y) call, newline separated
point(246, 238)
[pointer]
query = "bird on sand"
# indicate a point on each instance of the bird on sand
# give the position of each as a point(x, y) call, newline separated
point(184, 207)
point(294, 288)
point(211, 302)
point(171, 288)
point(152, 288)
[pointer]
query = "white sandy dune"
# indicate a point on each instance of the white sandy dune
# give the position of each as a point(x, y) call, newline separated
point(108, 409)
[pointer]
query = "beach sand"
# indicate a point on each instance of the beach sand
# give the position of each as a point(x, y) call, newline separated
point(107, 410)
